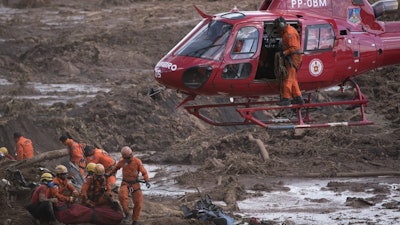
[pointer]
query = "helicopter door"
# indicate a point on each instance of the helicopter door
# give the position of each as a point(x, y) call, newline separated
point(240, 62)
point(319, 42)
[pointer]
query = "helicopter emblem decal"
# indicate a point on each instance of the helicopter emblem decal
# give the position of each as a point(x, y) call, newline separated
point(353, 15)
point(316, 67)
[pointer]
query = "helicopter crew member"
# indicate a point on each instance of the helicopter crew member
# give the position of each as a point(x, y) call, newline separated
point(24, 147)
point(131, 167)
point(66, 192)
point(291, 52)
point(96, 155)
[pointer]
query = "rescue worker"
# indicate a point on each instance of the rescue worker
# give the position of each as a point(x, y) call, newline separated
point(96, 155)
point(66, 192)
point(291, 52)
point(131, 167)
point(4, 151)
point(23, 147)
point(41, 205)
point(76, 155)
point(96, 190)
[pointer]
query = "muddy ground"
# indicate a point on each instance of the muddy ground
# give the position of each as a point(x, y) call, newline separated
point(114, 46)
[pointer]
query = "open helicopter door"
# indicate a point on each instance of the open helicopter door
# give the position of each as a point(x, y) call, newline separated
point(239, 63)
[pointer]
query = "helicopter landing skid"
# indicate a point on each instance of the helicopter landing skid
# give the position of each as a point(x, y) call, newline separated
point(288, 117)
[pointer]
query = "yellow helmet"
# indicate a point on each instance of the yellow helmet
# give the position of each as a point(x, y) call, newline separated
point(46, 177)
point(99, 169)
point(4, 150)
point(90, 167)
point(61, 169)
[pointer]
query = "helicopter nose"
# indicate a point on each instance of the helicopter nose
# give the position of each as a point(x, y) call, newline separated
point(182, 78)
point(196, 76)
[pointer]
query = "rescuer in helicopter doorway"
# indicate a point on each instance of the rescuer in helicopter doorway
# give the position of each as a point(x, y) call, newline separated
point(291, 53)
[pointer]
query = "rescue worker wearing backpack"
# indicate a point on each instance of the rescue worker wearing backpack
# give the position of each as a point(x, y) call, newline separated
point(66, 192)
point(131, 167)
point(41, 205)
point(96, 190)
point(96, 155)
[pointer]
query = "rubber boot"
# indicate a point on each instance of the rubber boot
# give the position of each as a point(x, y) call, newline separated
point(284, 102)
point(299, 100)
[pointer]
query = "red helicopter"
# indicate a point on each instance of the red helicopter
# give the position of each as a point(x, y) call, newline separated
point(339, 40)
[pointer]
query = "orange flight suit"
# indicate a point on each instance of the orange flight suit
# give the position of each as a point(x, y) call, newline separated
point(102, 157)
point(24, 148)
point(64, 190)
point(97, 191)
point(291, 49)
point(76, 155)
point(130, 175)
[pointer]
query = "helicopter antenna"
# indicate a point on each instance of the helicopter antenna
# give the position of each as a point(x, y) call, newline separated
point(202, 14)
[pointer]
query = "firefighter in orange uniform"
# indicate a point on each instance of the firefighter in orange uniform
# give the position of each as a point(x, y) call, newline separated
point(95, 155)
point(96, 190)
point(291, 52)
point(24, 147)
point(76, 155)
point(66, 192)
point(41, 205)
point(131, 167)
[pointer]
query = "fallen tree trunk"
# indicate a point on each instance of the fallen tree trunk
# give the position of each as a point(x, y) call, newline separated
point(37, 158)
point(261, 146)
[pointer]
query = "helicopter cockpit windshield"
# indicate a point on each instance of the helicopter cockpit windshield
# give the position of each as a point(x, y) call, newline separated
point(209, 42)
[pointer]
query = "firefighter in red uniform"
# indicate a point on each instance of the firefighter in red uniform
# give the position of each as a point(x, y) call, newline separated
point(95, 155)
point(96, 190)
point(24, 147)
point(66, 192)
point(76, 155)
point(131, 167)
point(291, 52)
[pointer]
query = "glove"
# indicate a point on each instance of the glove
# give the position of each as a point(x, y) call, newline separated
point(148, 185)
point(89, 203)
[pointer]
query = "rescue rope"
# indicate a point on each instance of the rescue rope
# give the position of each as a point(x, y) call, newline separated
point(281, 72)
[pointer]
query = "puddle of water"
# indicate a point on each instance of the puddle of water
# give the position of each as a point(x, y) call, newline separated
point(298, 205)
point(308, 202)
point(59, 93)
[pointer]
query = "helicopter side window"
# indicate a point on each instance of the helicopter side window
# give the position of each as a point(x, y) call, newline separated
point(245, 44)
point(319, 37)
point(237, 71)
